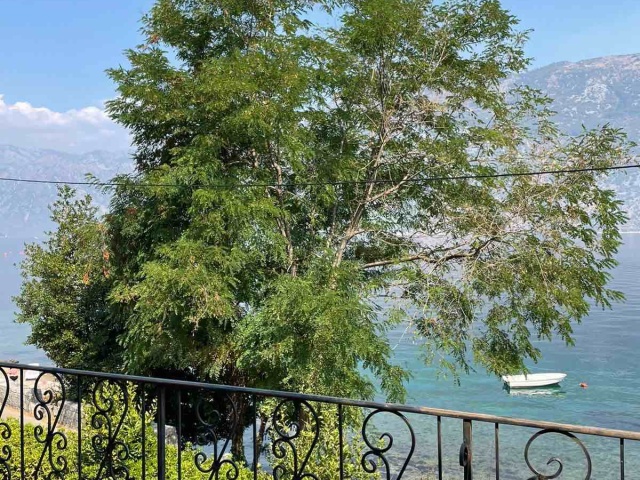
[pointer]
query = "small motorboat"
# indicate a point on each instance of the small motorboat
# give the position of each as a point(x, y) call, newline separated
point(531, 380)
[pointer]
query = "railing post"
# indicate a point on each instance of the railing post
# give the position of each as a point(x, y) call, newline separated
point(79, 426)
point(622, 459)
point(161, 432)
point(22, 469)
point(179, 432)
point(340, 442)
point(466, 450)
point(256, 450)
point(143, 433)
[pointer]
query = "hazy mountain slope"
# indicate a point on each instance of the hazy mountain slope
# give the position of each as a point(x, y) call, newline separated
point(592, 92)
point(596, 92)
point(23, 206)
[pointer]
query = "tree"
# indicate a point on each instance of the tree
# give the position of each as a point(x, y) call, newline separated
point(292, 198)
point(65, 287)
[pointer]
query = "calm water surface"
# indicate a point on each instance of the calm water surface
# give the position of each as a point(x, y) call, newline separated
point(12, 335)
point(606, 357)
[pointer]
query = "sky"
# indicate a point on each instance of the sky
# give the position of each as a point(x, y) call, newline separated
point(53, 54)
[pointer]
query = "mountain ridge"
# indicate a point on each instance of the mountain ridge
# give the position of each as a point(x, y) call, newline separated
point(594, 92)
point(24, 207)
point(590, 92)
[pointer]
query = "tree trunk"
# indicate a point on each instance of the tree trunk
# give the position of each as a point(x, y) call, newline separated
point(260, 440)
point(237, 436)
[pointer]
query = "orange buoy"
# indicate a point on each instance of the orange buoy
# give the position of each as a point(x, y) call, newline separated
point(583, 385)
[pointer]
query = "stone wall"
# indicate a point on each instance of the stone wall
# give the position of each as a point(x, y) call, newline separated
point(69, 415)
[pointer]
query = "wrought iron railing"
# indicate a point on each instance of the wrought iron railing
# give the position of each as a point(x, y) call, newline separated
point(61, 423)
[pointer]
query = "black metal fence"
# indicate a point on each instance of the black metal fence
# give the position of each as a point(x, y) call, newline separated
point(71, 424)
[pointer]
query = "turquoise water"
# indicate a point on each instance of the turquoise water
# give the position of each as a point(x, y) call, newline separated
point(12, 335)
point(606, 357)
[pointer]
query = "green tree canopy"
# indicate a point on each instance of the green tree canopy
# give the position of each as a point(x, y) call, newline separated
point(281, 216)
point(65, 289)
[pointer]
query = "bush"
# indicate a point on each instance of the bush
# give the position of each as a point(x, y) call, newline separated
point(114, 412)
point(320, 455)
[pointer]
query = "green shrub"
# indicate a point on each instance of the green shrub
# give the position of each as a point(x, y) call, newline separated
point(107, 412)
point(316, 442)
point(59, 458)
point(34, 451)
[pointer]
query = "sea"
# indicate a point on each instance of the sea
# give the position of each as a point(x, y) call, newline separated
point(606, 357)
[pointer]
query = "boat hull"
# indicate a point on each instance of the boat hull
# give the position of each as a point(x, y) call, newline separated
point(533, 380)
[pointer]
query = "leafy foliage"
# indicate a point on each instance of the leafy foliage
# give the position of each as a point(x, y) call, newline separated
point(65, 288)
point(92, 462)
point(318, 443)
point(130, 454)
point(284, 185)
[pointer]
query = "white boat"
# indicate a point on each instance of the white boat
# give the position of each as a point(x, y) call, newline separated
point(533, 380)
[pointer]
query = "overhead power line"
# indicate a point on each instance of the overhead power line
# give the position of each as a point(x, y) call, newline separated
point(312, 184)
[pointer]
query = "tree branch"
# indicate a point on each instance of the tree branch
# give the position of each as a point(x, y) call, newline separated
point(427, 259)
point(282, 222)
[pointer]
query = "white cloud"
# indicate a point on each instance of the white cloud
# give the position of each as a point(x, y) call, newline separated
point(77, 131)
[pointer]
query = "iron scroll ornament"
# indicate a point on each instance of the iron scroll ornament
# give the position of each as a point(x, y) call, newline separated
point(556, 460)
point(5, 432)
point(212, 437)
point(288, 433)
point(114, 452)
point(368, 463)
point(45, 401)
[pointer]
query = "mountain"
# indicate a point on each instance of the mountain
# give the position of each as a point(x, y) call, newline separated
point(596, 92)
point(24, 209)
point(591, 92)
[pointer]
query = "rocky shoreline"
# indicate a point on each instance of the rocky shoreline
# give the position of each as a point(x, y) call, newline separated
point(32, 397)
point(47, 386)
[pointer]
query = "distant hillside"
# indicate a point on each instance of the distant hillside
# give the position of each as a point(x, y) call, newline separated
point(592, 92)
point(24, 207)
point(595, 92)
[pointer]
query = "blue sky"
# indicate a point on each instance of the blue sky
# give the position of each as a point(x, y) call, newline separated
point(53, 53)
point(578, 29)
